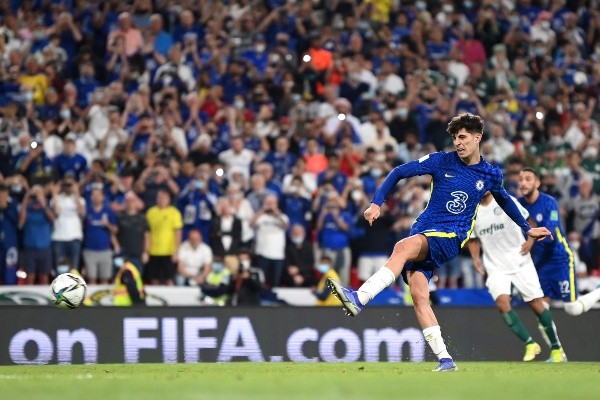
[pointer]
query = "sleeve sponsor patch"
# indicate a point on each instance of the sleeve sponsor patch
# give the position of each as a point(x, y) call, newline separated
point(554, 215)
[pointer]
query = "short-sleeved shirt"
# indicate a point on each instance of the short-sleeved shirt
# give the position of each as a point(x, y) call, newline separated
point(37, 229)
point(96, 235)
point(163, 224)
point(501, 238)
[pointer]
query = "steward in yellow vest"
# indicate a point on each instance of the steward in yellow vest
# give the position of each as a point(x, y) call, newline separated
point(322, 292)
point(129, 286)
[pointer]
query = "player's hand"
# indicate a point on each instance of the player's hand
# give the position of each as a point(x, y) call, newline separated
point(540, 233)
point(372, 213)
point(478, 266)
point(526, 247)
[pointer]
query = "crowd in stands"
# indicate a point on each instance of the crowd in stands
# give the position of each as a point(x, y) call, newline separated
point(190, 135)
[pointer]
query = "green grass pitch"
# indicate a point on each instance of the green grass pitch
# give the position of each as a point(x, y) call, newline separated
point(283, 381)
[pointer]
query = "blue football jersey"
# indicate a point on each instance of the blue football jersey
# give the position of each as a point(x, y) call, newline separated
point(457, 189)
point(545, 212)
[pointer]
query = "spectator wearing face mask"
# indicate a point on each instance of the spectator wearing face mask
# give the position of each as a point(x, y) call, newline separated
point(299, 259)
point(250, 281)
point(322, 291)
point(217, 287)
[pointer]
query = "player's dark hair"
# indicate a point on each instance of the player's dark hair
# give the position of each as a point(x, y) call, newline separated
point(533, 171)
point(471, 123)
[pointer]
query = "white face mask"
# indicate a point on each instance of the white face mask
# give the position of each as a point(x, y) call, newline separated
point(322, 268)
point(260, 48)
point(545, 25)
point(356, 195)
point(575, 245)
point(590, 152)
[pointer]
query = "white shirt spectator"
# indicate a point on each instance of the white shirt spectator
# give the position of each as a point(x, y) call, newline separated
point(270, 236)
point(179, 138)
point(241, 161)
point(183, 72)
point(98, 121)
point(333, 123)
point(393, 84)
point(87, 145)
point(67, 225)
point(245, 212)
point(460, 71)
point(194, 259)
point(53, 146)
point(369, 78)
point(115, 136)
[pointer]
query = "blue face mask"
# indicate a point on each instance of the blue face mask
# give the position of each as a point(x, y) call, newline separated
point(217, 267)
point(61, 269)
point(198, 184)
point(118, 262)
point(297, 240)
point(322, 268)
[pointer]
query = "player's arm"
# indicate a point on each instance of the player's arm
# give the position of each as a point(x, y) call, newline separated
point(510, 208)
point(424, 165)
point(551, 214)
point(474, 246)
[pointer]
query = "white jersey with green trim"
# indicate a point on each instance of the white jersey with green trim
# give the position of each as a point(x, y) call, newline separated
point(501, 238)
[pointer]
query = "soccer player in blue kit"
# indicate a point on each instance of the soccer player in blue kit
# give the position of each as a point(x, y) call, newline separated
point(459, 182)
point(553, 260)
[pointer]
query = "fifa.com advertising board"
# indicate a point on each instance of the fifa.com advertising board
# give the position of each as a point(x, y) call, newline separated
point(46, 335)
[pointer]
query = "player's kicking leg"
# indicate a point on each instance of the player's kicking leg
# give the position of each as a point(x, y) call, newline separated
point(413, 248)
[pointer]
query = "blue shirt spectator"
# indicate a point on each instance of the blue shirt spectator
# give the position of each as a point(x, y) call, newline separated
point(97, 235)
point(37, 227)
point(69, 162)
point(197, 206)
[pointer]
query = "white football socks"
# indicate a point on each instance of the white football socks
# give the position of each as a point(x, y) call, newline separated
point(583, 303)
point(433, 336)
point(375, 284)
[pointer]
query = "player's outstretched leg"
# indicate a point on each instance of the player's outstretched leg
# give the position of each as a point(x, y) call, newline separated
point(583, 303)
point(412, 248)
point(350, 302)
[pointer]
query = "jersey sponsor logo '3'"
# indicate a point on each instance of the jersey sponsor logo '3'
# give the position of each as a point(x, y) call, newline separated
point(459, 204)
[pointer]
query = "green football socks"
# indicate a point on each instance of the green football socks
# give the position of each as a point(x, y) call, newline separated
point(545, 319)
point(514, 323)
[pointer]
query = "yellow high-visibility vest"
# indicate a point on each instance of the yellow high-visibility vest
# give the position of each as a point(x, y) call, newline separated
point(120, 294)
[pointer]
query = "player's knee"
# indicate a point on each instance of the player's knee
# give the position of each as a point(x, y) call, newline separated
point(574, 308)
point(503, 304)
point(420, 296)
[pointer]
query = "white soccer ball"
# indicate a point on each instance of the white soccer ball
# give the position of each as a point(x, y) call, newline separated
point(68, 290)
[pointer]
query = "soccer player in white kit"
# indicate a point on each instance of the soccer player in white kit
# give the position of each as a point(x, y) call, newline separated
point(508, 263)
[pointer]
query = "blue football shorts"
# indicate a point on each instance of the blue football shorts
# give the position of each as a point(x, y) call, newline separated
point(558, 281)
point(443, 247)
